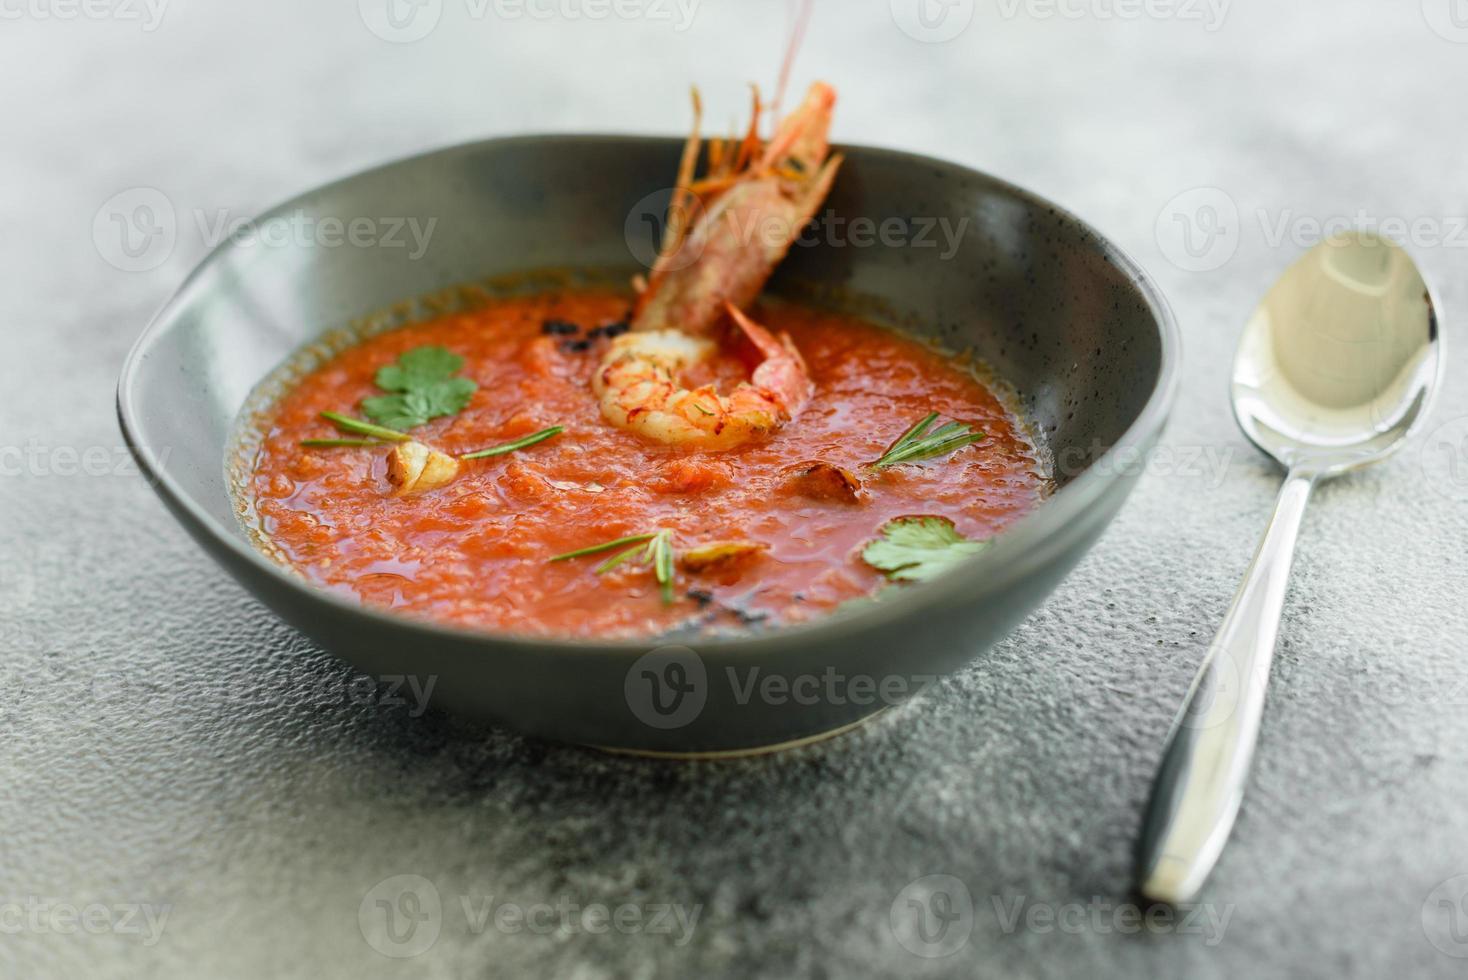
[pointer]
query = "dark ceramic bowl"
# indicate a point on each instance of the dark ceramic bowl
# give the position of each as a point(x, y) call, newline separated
point(1050, 305)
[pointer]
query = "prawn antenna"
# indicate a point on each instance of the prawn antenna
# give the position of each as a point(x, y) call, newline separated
point(802, 10)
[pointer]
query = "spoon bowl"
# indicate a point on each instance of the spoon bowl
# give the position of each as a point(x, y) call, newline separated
point(1336, 365)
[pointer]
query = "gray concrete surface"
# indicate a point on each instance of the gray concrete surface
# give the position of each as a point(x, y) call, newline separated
point(188, 788)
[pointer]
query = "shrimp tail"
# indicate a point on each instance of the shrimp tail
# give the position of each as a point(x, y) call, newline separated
point(783, 373)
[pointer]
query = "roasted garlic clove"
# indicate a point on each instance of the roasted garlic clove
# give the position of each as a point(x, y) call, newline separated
point(413, 467)
point(717, 554)
point(823, 481)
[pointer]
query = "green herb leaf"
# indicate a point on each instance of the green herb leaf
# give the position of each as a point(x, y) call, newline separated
point(618, 558)
point(605, 546)
point(337, 443)
point(917, 549)
point(654, 549)
point(917, 443)
point(521, 443)
point(661, 547)
point(423, 386)
point(348, 424)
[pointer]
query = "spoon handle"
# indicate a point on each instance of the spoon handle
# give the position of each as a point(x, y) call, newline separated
point(1205, 765)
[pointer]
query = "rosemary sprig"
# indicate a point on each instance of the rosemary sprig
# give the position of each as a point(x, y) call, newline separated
point(348, 424)
point(327, 443)
point(660, 553)
point(379, 434)
point(918, 443)
point(510, 447)
point(654, 549)
point(598, 548)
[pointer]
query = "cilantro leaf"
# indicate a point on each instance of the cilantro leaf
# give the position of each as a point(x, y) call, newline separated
point(917, 549)
point(423, 387)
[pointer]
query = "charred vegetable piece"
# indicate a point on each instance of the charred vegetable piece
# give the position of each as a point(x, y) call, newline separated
point(822, 481)
point(718, 554)
point(609, 330)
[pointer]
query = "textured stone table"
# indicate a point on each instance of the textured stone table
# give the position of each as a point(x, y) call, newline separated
point(188, 788)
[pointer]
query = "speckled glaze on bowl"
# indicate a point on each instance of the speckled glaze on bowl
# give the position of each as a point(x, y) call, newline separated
point(1052, 307)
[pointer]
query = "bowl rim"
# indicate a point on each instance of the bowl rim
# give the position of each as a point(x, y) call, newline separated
point(1017, 551)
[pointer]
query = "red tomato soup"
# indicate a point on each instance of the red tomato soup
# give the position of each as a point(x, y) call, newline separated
point(475, 551)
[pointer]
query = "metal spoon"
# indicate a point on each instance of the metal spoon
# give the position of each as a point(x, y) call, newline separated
point(1335, 369)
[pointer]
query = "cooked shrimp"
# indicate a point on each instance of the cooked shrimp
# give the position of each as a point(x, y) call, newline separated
point(749, 209)
point(639, 389)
